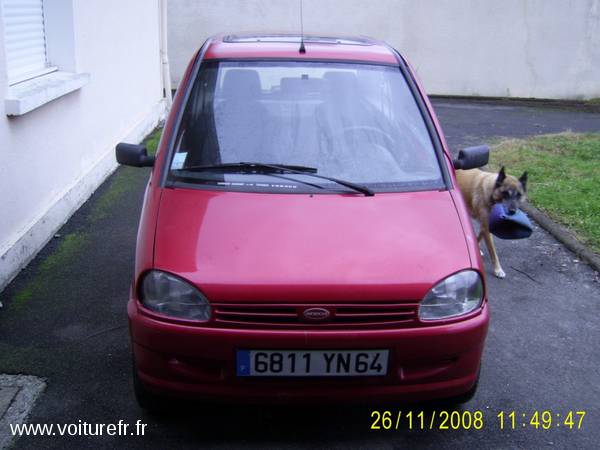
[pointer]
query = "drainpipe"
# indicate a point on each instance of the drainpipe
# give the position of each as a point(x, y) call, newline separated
point(164, 60)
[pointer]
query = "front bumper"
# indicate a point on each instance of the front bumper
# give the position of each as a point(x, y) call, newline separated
point(188, 361)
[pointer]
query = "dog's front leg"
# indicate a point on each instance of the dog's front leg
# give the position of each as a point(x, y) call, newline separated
point(489, 242)
point(479, 238)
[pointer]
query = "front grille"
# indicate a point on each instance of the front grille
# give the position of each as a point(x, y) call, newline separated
point(350, 315)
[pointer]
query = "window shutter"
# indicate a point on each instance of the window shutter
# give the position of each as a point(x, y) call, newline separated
point(24, 39)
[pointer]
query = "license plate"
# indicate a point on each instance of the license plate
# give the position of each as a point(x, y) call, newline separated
point(311, 363)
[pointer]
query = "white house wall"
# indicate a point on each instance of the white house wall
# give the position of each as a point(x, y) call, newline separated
point(54, 157)
point(508, 48)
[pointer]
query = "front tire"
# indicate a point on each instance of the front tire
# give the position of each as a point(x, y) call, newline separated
point(467, 396)
point(145, 399)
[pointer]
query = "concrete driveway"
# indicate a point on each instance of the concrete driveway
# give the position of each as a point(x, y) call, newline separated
point(64, 319)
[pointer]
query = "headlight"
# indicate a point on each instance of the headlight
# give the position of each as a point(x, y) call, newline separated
point(458, 294)
point(171, 296)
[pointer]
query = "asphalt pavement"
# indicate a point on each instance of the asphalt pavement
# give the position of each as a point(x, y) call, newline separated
point(64, 319)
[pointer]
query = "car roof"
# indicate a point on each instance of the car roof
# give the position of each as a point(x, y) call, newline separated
point(287, 46)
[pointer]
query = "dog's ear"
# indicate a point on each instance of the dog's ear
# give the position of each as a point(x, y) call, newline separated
point(523, 180)
point(501, 177)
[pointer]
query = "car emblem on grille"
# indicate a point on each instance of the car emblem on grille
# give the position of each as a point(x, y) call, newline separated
point(316, 314)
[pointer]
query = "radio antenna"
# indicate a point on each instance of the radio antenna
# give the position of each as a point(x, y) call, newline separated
point(302, 47)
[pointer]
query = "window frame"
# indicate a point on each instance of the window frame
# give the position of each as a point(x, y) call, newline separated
point(61, 77)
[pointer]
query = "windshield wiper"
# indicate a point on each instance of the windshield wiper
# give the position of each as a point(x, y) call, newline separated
point(248, 166)
point(282, 168)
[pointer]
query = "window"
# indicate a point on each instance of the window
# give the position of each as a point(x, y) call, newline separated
point(356, 122)
point(39, 44)
point(25, 40)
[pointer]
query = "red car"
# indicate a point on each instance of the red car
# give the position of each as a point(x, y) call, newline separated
point(302, 236)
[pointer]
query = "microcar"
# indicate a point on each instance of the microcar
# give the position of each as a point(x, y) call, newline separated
point(302, 237)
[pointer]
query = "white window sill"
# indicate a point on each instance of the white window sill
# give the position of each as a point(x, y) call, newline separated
point(29, 95)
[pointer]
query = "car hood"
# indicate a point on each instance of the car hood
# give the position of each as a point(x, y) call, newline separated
point(247, 247)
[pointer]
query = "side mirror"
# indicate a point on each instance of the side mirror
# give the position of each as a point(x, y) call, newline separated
point(133, 155)
point(472, 157)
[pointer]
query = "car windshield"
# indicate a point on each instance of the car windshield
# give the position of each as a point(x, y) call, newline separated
point(354, 122)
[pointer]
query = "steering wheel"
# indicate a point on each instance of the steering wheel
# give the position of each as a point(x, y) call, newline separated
point(381, 141)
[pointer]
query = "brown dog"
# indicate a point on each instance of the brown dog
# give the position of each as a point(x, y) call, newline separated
point(481, 191)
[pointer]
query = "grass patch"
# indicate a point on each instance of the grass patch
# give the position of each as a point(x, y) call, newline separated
point(69, 247)
point(152, 141)
point(23, 295)
point(564, 178)
point(121, 184)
